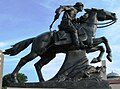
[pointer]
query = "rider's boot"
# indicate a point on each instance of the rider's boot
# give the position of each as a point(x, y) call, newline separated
point(78, 44)
point(82, 46)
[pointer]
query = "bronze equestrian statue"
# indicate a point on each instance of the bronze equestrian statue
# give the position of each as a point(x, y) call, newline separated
point(48, 44)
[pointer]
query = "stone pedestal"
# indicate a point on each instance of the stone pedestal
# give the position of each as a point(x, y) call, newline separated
point(83, 84)
point(1, 67)
point(75, 61)
point(74, 74)
point(34, 88)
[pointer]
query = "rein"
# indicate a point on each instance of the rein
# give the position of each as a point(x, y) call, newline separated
point(106, 24)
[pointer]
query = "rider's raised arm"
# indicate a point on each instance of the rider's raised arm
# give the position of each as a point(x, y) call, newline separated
point(58, 12)
point(61, 9)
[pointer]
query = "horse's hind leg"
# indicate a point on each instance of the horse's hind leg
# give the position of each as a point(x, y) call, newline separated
point(98, 59)
point(43, 61)
point(21, 63)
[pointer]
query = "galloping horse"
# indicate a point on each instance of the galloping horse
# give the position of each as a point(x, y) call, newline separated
point(44, 45)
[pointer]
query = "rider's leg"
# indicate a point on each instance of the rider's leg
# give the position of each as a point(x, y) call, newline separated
point(76, 41)
point(71, 28)
point(75, 38)
point(74, 35)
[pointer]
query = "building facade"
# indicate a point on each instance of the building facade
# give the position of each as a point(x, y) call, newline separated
point(1, 67)
point(114, 80)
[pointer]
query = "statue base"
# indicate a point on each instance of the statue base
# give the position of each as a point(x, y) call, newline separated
point(75, 73)
point(82, 84)
point(33, 88)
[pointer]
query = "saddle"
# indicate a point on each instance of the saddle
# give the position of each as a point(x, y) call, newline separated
point(61, 37)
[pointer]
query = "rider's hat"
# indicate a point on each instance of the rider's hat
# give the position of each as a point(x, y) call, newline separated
point(77, 4)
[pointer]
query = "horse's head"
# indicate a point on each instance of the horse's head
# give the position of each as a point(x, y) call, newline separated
point(102, 14)
point(94, 15)
point(105, 15)
point(90, 17)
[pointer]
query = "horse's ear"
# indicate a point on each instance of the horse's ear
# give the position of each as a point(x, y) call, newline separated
point(94, 9)
point(87, 10)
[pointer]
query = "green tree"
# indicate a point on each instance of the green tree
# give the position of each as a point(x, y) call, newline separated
point(22, 78)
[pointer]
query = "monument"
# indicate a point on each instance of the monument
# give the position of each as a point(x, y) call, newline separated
point(75, 38)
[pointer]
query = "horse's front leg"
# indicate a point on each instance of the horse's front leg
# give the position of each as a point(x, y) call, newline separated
point(97, 59)
point(100, 40)
point(108, 49)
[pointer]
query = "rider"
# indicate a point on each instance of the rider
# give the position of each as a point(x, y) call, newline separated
point(68, 22)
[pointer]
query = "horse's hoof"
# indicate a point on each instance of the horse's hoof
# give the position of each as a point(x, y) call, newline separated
point(95, 60)
point(109, 57)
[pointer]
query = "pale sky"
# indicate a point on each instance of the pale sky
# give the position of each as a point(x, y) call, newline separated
point(22, 19)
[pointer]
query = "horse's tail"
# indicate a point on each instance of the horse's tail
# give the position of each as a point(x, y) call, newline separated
point(18, 47)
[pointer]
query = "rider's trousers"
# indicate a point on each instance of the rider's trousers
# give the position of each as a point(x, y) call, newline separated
point(68, 26)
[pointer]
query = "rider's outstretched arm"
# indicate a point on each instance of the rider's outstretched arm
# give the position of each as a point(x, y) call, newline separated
point(58, 12)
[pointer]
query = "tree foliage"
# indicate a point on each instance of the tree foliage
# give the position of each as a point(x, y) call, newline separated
point(22, 78)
